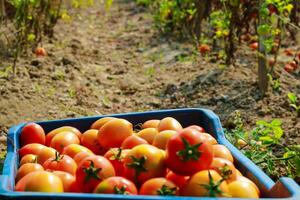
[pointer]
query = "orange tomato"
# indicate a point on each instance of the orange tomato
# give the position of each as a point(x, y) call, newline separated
point(89, 139)
point(162, 138)
point(61, 163)
point(148, 134)
point(243, 178)
point(132, 141)
point(32, 148)
point(40, 181)
point(81, 155)
point(153, 123)
point(63, 139)
point(67, 179)
point(169, 123)
point(54, 132)
point(114, 132)
point(159, 186)
point(27, 168)
point(225, 168)
point(44, 154)
point(100, 122)
point(199, 183)
point(73, 149)
point(221, 151)
point(29, 158)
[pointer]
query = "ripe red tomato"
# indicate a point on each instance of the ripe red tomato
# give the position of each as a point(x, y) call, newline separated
point(188, 152)
point(225, 168)
point(159, 186)
point(204, 48)
point(40, 181)
point(205, 183)
point(54, 132)
point(40, 52)
point(148, 134)
point(89, 139)
point(221, 151)
point(67, 179)
point(73, 149)
point(169, 123)
point(29, 158)
point(132, 141)
point(100, 122)
point(61, 163)
point(33, 148)
point(116, 157)
point(116, 185)
point(63, 139)
point(44, 154)
point(114, 132)
point(197, 128)
point(27, 168)
point(32, 133)
point(153, 123)
point(91, 171)
point(254, 45)
point(144, 162)
point(81, 155)
point(177, 179)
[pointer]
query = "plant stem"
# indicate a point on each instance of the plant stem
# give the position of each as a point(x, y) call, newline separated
point(275, 159)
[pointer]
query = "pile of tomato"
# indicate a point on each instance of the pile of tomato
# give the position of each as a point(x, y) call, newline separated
point(162, 158)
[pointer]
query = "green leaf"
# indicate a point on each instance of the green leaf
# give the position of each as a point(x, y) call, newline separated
point(292, 97)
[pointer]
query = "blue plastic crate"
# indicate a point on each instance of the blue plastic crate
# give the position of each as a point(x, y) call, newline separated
point(284, 188)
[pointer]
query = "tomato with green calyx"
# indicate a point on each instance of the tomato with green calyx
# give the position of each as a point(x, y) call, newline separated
point(61, 163)
point(188, 152)
point(116, 185)
point(159, 186)
point(144, 162)
point(225, 168)
point(206, 183)
point(32, 133)
point(116, 157)
point(91, 171)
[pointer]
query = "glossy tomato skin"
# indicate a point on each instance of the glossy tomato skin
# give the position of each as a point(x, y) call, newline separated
point(67, 179)
point(73, 149)
point(198, 183)
point(152, 123)
point(116, 185)
point(169, 123)
point(100, 122)
point(221, 151)
point(225, 168)
point(159, 186)
point(162, 138)
point(27, 168)
point(32, 133)
point(44, 154)
point(242, 189)
point(148, 134)
point(91, 171)
point(89, 139)
point(114, 132)
point(29, 158)
point(197, 128)
point(116, 157)
point(33, 148)
point(188, 152)
point(132, 141)
point(210, 138)
point(82, 155)
point(63, 139)
point(49, 183)
point(177, 179)
point(56, 131)
point(144, 162)
point(61, 163)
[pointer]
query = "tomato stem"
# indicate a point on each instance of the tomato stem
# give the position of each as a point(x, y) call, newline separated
point(190, 152)
point(91, 172)
point(137, 165)
point(121, 190)
point(213, 188)
point(166, 191)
